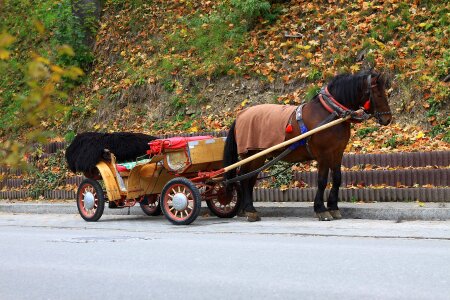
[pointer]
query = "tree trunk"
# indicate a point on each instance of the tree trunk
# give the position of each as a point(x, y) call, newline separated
point(88, 13)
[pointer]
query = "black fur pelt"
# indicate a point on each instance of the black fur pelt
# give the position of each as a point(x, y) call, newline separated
point(87, 149)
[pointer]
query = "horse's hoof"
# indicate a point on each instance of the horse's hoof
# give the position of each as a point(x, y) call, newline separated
point(336, 214)
point(253, 216)
point(324, 216)
point(241, 213)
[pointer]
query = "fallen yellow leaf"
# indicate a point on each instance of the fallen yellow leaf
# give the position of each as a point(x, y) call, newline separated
point(420, 135)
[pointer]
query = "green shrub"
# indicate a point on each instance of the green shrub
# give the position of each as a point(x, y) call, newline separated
point(314, 74)
point(312, 92)
point(282, 175)
point(392, 142)
point(442, 128)
point(69, 31)
point(251, 9)
point(69, 136)
point(362, 133)
point(48, 173)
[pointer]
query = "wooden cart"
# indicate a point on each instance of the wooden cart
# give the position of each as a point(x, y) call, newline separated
point(178, 174)
point(174, 178)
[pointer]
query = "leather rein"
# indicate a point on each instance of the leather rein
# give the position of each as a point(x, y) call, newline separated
point(333, 106)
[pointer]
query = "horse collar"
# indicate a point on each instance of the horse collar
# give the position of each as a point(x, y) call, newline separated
point(333, 106)
point(329, 102)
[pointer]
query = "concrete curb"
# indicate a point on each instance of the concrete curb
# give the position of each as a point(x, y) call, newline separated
point(374, 211)
point(397, 214)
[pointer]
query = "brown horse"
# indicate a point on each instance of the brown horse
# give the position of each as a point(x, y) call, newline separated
point(262, 126)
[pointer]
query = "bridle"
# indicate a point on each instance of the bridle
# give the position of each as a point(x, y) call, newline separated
point(370, 103)
point(334, 107)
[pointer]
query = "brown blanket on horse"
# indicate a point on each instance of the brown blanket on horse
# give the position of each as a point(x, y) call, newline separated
point(262, 126)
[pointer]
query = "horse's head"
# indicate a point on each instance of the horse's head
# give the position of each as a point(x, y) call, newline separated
point(378, 103)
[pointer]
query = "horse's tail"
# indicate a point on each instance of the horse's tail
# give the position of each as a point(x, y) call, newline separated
point(230, 152)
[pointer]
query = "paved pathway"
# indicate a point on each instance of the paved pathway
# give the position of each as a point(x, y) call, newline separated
point(63, 257)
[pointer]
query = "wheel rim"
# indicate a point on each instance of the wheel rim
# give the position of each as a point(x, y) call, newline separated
point(224, 204)
point(152, 203)
point(88, 200)
point(179, 202)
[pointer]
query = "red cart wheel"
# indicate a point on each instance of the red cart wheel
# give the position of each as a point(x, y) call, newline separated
point(151, 205)
point(223, 205)
point(90, 200)
point(181, 201)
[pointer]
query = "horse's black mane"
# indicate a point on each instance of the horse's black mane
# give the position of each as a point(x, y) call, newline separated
point(348, 88)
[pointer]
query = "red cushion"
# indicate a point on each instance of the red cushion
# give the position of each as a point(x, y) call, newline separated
point(121, 168)
point(157, 146)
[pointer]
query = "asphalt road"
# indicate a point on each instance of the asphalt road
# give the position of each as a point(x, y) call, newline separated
point(132, 257)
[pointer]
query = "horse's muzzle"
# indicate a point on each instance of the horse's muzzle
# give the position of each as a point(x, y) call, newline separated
point(383, 118)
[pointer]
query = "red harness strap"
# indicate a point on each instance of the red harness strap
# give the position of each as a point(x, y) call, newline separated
point(335, 102)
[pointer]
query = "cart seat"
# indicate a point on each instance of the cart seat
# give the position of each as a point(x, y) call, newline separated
point(127, 166)
point(178, 142)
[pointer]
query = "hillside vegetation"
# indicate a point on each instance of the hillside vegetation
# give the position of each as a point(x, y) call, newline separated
point(172, 66)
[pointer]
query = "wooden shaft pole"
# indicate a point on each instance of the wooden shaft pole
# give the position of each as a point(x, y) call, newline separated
point(285, 143)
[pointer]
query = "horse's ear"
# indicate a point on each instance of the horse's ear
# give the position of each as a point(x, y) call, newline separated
point(374, 79)
point(384, 79)
point(378, 78)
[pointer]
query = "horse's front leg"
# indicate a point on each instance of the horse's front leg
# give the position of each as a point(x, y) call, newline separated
point(333, 198)
point(319, 207)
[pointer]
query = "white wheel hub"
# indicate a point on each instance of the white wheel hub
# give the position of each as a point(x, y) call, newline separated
point(89, 200)
point(180, 201)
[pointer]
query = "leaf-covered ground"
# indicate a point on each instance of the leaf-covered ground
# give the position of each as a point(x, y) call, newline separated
point(190, 66)
point(156, 64)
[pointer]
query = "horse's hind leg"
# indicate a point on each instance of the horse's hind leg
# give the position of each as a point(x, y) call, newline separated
point(333, 198)
point(247, 190)
point(319, 208)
